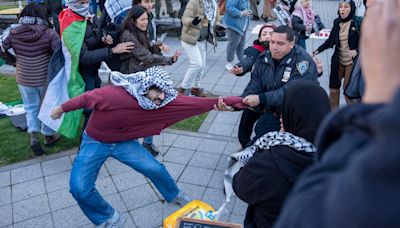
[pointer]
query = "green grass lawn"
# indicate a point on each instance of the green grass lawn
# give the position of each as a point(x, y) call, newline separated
point(14, 144)
point(8, 6)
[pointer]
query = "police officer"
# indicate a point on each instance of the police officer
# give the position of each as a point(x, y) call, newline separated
point(273, 72)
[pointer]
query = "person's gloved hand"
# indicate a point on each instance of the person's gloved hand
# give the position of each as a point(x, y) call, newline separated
point(196, 21)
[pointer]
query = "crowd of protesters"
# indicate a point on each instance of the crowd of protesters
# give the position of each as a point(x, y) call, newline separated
point(304, 167)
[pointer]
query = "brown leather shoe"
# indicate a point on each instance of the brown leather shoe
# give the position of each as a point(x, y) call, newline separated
point(197, 92)
point(50, 140)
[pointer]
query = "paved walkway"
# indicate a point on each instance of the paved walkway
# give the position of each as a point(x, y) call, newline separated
point(35, 193)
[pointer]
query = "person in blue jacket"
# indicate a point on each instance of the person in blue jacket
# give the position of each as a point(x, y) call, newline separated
point(236, 19)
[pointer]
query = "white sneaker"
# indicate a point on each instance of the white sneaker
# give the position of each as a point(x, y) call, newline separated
point(116, 221)
point(228, 66)
point(182, 199)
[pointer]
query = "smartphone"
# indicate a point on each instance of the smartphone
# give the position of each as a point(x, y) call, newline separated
point(162, 37)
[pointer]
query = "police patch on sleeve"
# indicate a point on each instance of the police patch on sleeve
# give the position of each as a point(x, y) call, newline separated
point(302, 66)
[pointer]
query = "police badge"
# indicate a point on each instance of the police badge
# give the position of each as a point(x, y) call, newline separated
point(286, 74)
point(302, 66)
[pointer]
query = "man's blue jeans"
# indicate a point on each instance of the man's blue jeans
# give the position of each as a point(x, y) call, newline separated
point(88, 162)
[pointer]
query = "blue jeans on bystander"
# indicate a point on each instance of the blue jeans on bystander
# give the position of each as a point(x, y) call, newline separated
point(31, 96)
point(88, 162)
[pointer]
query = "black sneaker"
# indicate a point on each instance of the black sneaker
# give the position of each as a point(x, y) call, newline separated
point(35, 145)
point(152, 149)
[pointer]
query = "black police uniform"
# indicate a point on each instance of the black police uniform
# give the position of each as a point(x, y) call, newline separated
point(270, 79)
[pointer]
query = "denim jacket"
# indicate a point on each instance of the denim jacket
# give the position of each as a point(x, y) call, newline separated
point(232, 18)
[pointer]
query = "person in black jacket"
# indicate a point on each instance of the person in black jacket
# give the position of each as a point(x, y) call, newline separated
point(95, 48)
point(249, 117)
point(273, 72)
point(280, 157)
point(355, 182)
point(344, 37)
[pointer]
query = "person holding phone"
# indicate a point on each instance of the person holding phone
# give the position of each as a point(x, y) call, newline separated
point(144, 56)
point(134, 29)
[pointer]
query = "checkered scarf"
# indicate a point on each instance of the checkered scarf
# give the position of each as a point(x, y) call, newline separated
point(27, 20)
point(138, 84)
point(115, 8)
point(272, 139)
point(239, 159)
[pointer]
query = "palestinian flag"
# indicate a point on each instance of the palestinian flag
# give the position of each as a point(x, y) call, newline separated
point(65, 81)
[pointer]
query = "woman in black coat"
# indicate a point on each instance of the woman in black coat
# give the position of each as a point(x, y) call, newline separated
point(344, 37)
point(280, 157)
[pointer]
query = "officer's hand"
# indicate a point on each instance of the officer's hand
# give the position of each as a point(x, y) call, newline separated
point(196, 21)
point(221, 106)
point(251, 100)
point(125, 47)
point(56, 113)
point(236, 70)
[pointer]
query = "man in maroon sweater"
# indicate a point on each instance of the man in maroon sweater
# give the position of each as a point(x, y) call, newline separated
point(112, 130)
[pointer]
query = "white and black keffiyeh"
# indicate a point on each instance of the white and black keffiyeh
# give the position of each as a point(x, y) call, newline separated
point(115, 8)
point(27, 20)
point(271, 139)
point(6, 33)
point(138, 84)
point(79, 8)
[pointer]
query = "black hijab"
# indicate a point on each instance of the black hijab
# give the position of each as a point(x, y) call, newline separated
point(305, 104)
point(352, 11)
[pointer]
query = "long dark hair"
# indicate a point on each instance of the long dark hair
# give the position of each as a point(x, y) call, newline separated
point(35, 9)
point(129, 24)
